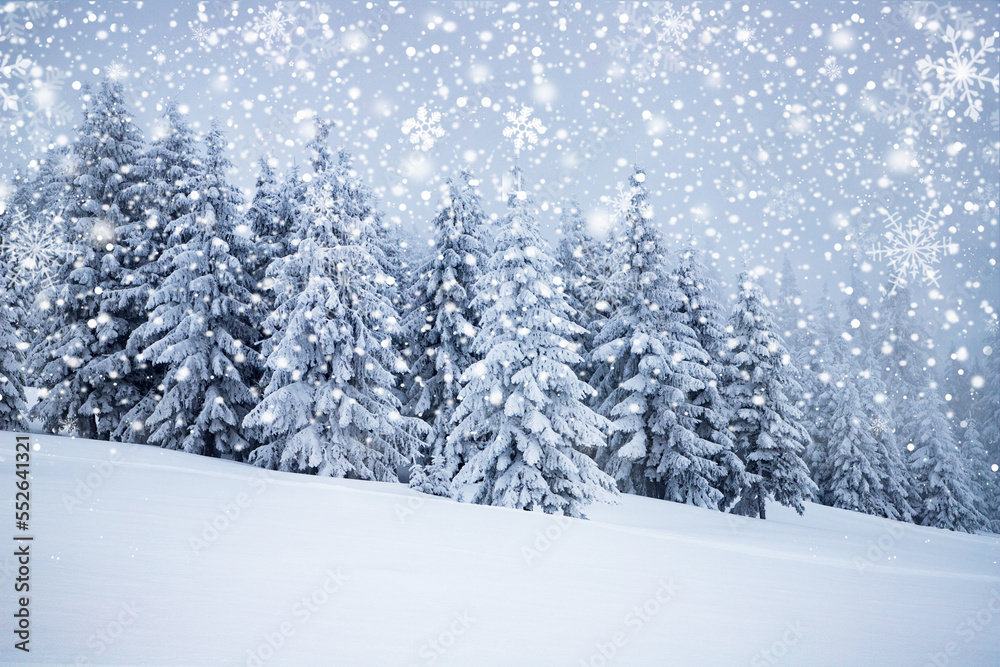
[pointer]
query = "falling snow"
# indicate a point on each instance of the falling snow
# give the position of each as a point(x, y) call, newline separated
point(962, 74)
point(273, 25)
point(878, 425)
point(35, 247)
point(912, 248)
point(831, 70)
point(843, 156)
point(8, 69)
point(424, 129)
point(673, 25)
point(523, 129)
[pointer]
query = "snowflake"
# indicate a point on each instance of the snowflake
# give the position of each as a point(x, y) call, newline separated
point(879, 425)
point(272, 26)
point(44, 110)
point(523, 128)
point(315, 38)
point(621, 46)
point(831, 69)
point(592, 259)
point(993, 325)
point(620, 203)
point(487, 7)
point(673, 26)
point(672, 61)
point(646, 65)
point(116, 71)
point(957, 74)
point(990, 155)
point(910, 104)
point(13, 27)
point(912, 249)
point(34, 247)
point(649, 37)
point(930, 17)
point(745, 35)
point(201, 34)
point(858, 238)
point(68, 426)
point(424, 129)
point(784, 202)
point(987, 200)
point(8, 100)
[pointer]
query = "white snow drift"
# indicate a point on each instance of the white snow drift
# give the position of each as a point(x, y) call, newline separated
point(146, 556)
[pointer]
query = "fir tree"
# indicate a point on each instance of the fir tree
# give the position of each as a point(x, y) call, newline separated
point(440, 329)
point(767, 426)
point(581, 259)
point(859, 309)
point(823, 376)
point(200, 329)
point(852, 478)
point(975, 460)
point(80, 361)
point(272, 221)
point(166, 175)
point(12, 401)
point(903, 348)
point(986, 411)
point(946, 499)
point(707, 319)
point(650, 365)
point(789, 310)
point(12, 344)
point(897, 484)
point(162, 191)
point(574, 256)
point(863, 331)
point(522, 398)
point(330, 407)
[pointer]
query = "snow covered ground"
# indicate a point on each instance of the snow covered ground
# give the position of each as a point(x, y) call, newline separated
point(144, 556)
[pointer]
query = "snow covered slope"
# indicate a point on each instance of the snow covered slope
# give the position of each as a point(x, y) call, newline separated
point(127, 569)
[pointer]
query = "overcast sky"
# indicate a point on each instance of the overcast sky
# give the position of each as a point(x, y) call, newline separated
point(765, 128)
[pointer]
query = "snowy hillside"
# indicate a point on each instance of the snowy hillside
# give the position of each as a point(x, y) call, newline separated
point(127, 569)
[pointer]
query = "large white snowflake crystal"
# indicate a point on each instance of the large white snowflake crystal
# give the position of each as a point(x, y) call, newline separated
point(20, 65)
point(672, 25)
point(272, 25)
point(879, 425)
point(912, 249)
point(523, 129)
point(958, 74)
point(34, 248)
point(620, 203)
point(424, 129)
point(784, 202)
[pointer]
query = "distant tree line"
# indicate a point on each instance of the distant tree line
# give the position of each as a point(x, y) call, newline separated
point(291, 332)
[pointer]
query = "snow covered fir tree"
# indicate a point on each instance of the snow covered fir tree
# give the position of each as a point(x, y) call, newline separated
point(200, 330)
point(298, 327)
point(512, 332)
point(331, 406)
point(767, 426)
point(79, 361)
point(651, 364)
point(13, 407)
point(522, 405)
point(440, 329)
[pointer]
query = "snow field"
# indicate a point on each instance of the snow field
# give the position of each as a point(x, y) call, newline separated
point(146, 556)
